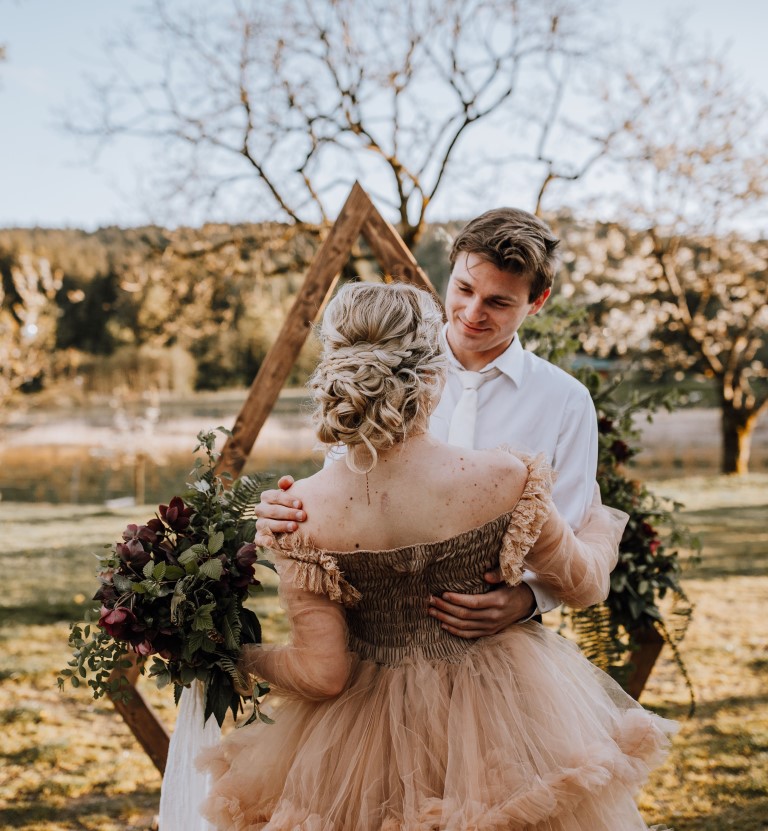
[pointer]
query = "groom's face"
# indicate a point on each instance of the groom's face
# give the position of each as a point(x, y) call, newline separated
point(485, 307)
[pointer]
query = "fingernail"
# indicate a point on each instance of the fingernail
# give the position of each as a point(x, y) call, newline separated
point(299, 516)
point(297, 504)
point(292, 526)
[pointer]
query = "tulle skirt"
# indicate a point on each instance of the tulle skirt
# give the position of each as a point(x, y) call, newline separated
point(521, 733)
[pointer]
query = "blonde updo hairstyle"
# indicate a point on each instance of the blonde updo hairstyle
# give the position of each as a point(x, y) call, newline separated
point(382, 368)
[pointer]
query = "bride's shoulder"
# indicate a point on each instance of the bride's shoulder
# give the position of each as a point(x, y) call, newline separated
point(312, 487)
point(501, 460)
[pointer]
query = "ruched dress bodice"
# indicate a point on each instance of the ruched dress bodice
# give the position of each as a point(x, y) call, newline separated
point(390, 622)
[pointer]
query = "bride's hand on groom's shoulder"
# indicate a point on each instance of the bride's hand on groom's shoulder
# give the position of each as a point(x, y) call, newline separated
point(278, 512)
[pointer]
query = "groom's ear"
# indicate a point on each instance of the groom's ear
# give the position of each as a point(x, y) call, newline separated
point(539, 302)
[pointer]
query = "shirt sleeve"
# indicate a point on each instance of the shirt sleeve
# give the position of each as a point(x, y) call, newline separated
point(545, 599)
point(575, 460)
point(316, 664)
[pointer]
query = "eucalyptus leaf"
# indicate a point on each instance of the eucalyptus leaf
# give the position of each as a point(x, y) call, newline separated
point(189, 556)
point(215, 542)
point(174, 573)
point(212, 569)
point(122, 583)
point(203, 619)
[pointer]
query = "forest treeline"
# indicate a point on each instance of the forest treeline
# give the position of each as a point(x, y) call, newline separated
point(189, 309)
point(198, 308)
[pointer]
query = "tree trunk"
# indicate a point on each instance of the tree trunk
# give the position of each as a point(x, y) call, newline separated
point(737, 427)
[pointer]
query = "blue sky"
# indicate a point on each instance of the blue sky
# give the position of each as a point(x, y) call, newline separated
point(48, 178)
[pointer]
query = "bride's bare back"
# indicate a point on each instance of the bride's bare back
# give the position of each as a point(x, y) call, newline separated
point(420, 491)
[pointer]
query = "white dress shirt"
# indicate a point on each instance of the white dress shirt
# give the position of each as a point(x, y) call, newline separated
point(535, 407)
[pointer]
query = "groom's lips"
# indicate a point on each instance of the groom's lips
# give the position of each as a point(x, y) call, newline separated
point(471, 329)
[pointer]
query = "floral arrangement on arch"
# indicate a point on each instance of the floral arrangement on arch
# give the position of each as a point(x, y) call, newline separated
point(651, 557)
point(650, 562)
point(174, 589)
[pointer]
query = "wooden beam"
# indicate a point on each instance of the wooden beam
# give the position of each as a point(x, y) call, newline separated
point(389, 249)
point(319, 282)
point(142, 719)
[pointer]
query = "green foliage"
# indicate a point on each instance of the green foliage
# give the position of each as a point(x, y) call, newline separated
point(174, 589)
point(649, 566)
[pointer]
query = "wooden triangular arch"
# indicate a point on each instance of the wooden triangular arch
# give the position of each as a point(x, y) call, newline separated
point(359, 217)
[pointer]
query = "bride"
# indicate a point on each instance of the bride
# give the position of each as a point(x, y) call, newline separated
point(383, 719)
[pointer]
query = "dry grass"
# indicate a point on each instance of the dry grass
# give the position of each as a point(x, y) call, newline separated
point(68, 763)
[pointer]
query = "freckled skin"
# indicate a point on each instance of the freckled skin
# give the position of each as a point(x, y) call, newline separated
point(470, 489)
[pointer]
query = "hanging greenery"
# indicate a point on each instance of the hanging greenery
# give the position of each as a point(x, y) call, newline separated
point(655, 543)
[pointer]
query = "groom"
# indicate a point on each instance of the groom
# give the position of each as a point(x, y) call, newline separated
point(496, 393)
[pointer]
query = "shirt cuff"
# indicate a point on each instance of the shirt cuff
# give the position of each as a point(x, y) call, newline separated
point(545, 600)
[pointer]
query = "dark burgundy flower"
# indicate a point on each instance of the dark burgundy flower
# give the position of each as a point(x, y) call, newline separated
point(176, 514)
point(132, 553)
point(647, 529)
point(141, 533)
point(144, 648)
point(604, 425)
point(245, 557)
point(117, 622)
point(107, 592)
point(156, 525)
point(621, 450)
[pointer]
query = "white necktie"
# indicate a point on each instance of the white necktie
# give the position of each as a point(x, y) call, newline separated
point(461, 431)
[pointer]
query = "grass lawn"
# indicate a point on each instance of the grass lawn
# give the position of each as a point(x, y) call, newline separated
point(69, 763)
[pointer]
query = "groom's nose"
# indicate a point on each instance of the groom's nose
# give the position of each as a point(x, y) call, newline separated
point(473, 311)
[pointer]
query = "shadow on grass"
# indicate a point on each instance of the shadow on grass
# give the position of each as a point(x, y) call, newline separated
point(732, 816)
point(726, 741)
point(81, 812)
point(734, 542)
point(41, 614)
point(745, 704)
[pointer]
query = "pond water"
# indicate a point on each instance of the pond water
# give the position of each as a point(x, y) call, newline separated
point(120, 451)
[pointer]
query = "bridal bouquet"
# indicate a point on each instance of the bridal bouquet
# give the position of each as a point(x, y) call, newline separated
point(174, 589)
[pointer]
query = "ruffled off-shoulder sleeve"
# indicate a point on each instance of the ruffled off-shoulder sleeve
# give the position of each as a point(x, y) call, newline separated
point(528, 517)
point(316, 571)
point(316, 664)
point(575, 566)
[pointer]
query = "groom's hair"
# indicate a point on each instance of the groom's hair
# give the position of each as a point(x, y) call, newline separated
point(514, 241)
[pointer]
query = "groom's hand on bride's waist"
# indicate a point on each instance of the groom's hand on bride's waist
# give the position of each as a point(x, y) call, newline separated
point(480, 615)
point(278, 512)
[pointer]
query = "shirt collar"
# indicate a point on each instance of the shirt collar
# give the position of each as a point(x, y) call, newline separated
point(511, 362)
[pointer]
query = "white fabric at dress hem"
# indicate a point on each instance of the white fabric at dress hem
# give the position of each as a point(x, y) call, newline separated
point(184, 787)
